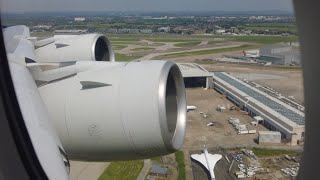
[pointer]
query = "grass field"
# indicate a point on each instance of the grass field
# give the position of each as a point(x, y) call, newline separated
point(118, 47)
point(263, 39)
point(157, 159)
point(284, 29)
point(188, 44)
point(123, 57)
point(181, 165)
point(272, 152)
point(134, 38)
point(125, 42)
point(203, 52)
point(174, 39)
point(126, 170)
point(142, 49)
point(86, 25)
point(158, 44)
point(214, 42)
point(188, 38)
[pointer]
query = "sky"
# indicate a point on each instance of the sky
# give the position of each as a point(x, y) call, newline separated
point(144, 5)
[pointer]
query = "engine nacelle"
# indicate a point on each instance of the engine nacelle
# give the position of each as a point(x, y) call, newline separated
point(87, 47)
point(119, 111)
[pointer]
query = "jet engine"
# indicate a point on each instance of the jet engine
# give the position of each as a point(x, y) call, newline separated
point(78, 103)
point(61, 48)
point(118, 111)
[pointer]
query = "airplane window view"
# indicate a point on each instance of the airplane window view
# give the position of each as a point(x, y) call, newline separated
point(159, 90)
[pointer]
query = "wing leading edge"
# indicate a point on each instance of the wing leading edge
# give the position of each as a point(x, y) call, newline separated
point(42, 134)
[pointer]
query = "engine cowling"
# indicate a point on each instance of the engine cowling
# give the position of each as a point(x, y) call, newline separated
point(87, 47)
point(119, 111)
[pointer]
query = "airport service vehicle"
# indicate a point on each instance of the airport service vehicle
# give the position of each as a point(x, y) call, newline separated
point(191, 108)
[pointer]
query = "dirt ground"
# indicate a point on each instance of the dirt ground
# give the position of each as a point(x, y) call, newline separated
point(222, 133)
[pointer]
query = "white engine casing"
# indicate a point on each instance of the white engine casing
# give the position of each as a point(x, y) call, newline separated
point(87, 47)
point(119, 111)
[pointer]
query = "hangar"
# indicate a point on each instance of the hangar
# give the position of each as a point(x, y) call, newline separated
point(276, 115)
point(195, 75)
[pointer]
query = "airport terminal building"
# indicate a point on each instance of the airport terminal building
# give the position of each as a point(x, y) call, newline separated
point(276, 115)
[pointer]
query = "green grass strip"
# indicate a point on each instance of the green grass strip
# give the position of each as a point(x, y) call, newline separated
point(125, 170)
point(203, 52)
point(181, 165)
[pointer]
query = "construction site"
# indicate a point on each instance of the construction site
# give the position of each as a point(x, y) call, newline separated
point(262, 104)
point(213, 127)
point(236, 128)
point(242, 163)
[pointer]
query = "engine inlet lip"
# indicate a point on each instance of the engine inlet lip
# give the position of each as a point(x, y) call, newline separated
point(175, 141)
point(106, 40)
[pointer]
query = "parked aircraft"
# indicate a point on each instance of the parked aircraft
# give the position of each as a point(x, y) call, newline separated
point(207, 160)
point(252, 53)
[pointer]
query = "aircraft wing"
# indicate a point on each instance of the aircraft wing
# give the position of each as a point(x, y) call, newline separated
point(38, 125)
point(200, 158)
point(35, 115)
point(212, 160)
point(78, 103)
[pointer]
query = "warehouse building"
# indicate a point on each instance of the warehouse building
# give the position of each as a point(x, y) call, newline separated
point(195, 75)
point(276, 115)
point(280, 54)
point(269, 137)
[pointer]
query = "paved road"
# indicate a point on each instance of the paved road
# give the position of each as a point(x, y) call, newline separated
point(87, 170)
point(150, 56)
point(164, 47)
point(143, 173)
